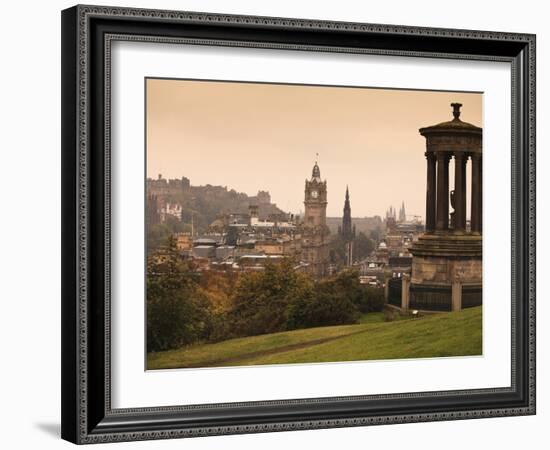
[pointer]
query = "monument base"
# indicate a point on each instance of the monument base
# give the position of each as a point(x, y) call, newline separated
point(446, 271)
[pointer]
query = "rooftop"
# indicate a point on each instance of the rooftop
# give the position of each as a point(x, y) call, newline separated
point(452, 125)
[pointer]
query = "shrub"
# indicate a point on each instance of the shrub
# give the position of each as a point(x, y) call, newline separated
point(261, 299)
point(323, 308)
point(372, 299)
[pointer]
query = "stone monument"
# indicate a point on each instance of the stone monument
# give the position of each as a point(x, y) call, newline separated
point(446, 269)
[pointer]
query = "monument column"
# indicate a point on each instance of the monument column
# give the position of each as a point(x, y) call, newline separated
point(460, 191)
point(476, 193)
point(405, 293)
point(480, 193)
point(456, 296)
point(442, 212)
point(430, 192)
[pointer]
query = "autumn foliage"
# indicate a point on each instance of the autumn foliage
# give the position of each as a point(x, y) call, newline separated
point(185, 306)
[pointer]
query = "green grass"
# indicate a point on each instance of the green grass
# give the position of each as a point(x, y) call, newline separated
point(377, 317)
point(452, 334)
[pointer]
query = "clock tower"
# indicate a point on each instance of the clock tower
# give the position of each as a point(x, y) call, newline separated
point(315, 249)
point(315, 200)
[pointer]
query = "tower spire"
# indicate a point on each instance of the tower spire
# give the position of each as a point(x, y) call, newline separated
point(316, 172)
point(347, 232)
point(402, 214)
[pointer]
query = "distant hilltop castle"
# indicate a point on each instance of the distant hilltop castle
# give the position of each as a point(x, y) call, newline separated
point(162, 186)
point(177, 198)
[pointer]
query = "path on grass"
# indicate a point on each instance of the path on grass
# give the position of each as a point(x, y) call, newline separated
point(273, 351)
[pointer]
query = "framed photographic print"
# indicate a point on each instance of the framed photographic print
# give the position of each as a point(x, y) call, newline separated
point(279, 224)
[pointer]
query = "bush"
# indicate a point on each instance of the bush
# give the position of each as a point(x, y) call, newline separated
point(219, 328)
point(372, 300)
point(347, 284)
point(261, 300)
point(323, 308)
point(365, 298)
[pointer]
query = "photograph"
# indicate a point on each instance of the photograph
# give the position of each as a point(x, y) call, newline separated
point(300, 224)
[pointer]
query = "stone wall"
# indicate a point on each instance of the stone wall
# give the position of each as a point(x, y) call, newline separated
point(444, 270)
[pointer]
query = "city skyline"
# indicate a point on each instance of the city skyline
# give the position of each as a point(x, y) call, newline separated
point(252, 195)
point(251, 137)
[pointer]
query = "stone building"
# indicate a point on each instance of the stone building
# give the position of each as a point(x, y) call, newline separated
point(315, 245)
point(184, 241)
point(173, 210)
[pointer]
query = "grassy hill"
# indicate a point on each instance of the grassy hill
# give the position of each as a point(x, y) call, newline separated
point(452, 334)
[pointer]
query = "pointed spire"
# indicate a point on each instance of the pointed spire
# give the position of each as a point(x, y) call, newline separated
point(346, 219)
point(402, 214)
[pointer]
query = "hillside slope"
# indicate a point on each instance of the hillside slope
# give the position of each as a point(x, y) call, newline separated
point(452, 334)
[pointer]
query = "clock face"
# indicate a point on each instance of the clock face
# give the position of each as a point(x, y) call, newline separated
point(314, 194)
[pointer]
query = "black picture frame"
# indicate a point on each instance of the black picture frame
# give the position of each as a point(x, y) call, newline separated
point(87, 415)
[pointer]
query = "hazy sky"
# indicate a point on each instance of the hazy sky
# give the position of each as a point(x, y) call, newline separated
point(252, 137)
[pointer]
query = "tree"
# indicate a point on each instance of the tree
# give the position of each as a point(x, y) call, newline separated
point(376, 234)
point(365, 298)
point(262, 299)
point(347, 282)
point(177, 310)
point(337, 250)
point(362, 246)
point(159, 233)
point(331, 302)
point(372, 299)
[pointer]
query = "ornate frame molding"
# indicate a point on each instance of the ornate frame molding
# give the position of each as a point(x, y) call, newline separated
point(83, 421)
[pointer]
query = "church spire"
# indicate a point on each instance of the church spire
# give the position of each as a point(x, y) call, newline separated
point(402, 214)
point(347, 231)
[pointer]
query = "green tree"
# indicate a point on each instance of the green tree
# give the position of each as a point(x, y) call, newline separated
point(158, 234)
point(365, 298)
point(348, 284)
point(376, 235)
point(337, 252)
point(262, 299)
point(331, 302)
point(362, 246)
point(177, 310)
point(372, 299)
